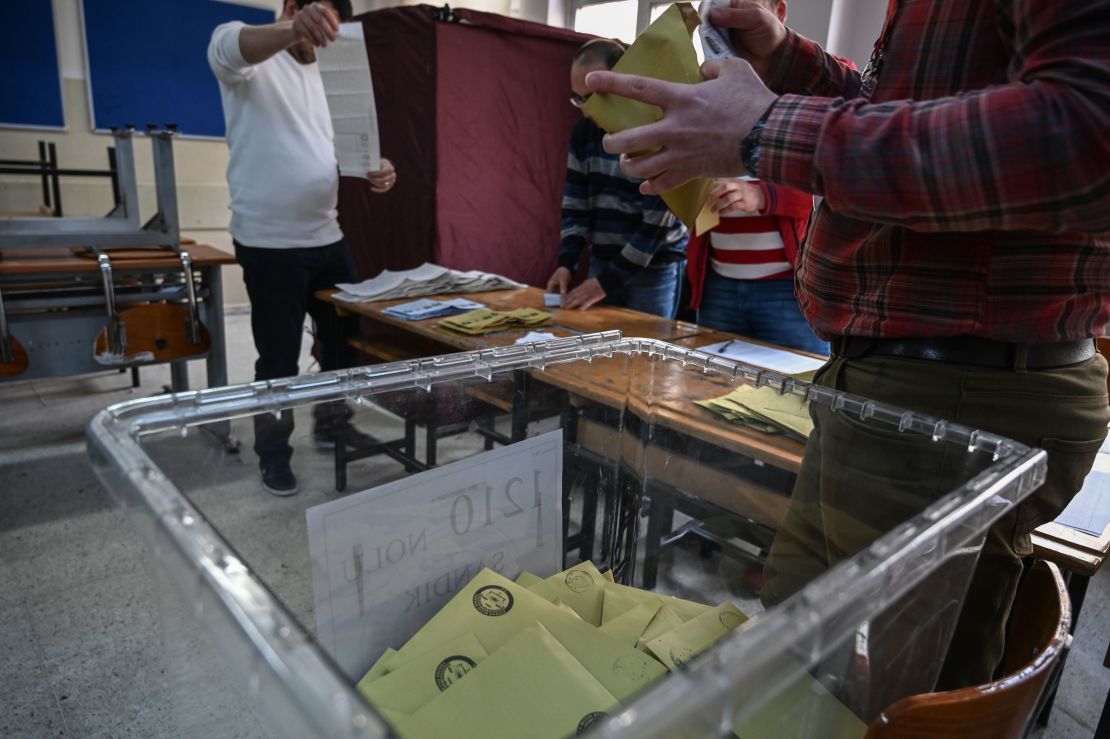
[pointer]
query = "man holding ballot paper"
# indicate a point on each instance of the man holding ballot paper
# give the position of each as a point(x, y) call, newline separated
point(284, 184)
point(959, 263)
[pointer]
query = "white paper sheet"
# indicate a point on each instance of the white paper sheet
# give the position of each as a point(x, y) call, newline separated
point(1089, 510)
point(345, 70)
point(534, 336)
point(776, 360)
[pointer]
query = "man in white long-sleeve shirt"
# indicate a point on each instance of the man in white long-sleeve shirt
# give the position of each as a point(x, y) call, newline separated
point(284, 185)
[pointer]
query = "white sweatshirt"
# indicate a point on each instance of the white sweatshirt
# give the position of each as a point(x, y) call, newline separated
point(283, 175)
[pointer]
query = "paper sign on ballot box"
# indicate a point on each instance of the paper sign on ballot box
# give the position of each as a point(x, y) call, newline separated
point(387, 559)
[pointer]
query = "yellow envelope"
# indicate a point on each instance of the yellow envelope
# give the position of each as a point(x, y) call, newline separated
point(806, 703)
point(379, 668)
point(629, 626)
point(496, 609)
point(666, 619)
point(621, 598)
point(424, 677)
point(526, 579)
point(582, 587)
point(531, 688)
point(682, 643)
point(664, 51)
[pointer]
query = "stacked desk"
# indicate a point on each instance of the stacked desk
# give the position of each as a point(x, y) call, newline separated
point(56, 305)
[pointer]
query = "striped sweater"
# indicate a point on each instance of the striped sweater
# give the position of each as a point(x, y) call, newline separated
point(604, 210)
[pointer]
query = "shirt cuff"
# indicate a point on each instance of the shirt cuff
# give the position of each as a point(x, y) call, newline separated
point(789, 140)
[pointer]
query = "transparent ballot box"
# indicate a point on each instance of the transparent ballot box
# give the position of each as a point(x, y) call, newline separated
point(815, 583)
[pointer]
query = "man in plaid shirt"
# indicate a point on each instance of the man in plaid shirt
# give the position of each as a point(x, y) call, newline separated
point(959, 262)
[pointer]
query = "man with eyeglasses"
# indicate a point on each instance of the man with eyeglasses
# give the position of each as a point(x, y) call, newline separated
point(637, 246)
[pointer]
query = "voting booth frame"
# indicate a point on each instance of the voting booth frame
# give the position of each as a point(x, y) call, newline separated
point(241, 590)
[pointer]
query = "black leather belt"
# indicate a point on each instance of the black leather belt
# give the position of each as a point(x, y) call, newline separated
point(969, 350)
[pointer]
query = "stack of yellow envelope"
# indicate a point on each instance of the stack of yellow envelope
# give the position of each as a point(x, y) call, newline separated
point(539, 657)
point(484, 321)
point(764, 409)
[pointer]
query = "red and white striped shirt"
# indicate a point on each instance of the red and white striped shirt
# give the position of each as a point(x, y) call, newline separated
point(748, 246)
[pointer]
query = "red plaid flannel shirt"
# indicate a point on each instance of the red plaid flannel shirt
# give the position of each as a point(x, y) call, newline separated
point(971, 193)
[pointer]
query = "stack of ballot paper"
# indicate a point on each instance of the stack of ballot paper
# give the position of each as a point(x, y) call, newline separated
point(484, 321)
point(764, 409)
point(418, 310)
point(427, 279)
point(538, 657)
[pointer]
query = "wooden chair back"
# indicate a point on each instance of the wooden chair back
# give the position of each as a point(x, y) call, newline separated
point(1003, 709)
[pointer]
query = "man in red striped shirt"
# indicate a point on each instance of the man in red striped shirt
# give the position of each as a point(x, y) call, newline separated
point(959, 262)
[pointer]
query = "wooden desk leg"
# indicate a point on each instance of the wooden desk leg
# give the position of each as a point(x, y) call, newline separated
point(1077, 591)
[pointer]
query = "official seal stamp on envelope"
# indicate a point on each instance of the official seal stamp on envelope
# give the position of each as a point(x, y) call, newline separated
point(493, 600)
point(451, 669)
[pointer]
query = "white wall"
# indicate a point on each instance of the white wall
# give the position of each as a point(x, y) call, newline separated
point(855, 26)
point(810, 18)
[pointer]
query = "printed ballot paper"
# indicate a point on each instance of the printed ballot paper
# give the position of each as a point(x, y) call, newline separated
point(385, 560)
point(345, 70)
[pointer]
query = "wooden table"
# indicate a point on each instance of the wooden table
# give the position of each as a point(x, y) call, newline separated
point(56, 306)
point(670, 386)
point(564, 323)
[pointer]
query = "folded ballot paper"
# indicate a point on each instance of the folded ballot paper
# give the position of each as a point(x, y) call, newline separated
point(418, 310)
point(764, 409)
point(539, 657)
point(485, 321)
point(427, 279)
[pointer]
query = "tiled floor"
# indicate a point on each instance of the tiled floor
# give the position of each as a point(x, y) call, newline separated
point(81, 635)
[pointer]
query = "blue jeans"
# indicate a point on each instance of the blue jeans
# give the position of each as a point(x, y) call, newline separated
point(654, 289)
point(760, 309)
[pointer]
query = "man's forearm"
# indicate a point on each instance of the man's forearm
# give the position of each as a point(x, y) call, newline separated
point(259, 43)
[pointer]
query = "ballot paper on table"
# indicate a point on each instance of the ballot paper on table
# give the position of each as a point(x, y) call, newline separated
point(764, 409)
point(534, 336)
point(345, 71)
point(768, 357)
point(427, 279)
point(419, 310)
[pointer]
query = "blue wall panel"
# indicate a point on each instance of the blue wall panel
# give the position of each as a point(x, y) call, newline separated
point(31, 93)
point(148, 61)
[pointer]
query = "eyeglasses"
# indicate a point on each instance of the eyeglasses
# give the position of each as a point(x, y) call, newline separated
point(579, 100)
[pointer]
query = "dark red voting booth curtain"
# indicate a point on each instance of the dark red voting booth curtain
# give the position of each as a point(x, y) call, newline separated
point(396, 230)
point(474, 113)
